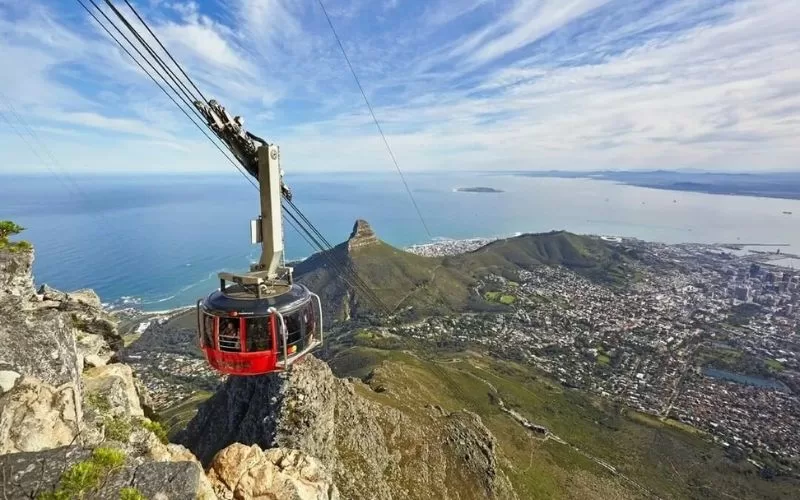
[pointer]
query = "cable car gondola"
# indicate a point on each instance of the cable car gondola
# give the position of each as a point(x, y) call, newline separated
point(242, 334)
point(258, 322)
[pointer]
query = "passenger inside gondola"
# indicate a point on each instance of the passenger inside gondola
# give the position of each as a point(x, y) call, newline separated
point(259, 337)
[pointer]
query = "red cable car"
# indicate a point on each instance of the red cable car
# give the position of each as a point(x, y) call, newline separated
point(241, 334)
point(263, 322)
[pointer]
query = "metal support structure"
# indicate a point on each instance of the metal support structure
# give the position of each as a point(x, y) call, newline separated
point(269, 276)
point(269, 180)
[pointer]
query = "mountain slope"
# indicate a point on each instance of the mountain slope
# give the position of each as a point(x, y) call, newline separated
point(400, 279)
point(435, 285)
point(591, 448)
point(590, 257)
point(374, 450)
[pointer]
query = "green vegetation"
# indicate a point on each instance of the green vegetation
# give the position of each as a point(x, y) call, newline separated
point(667, 457)
point(741, 314)
point(82, 477)
point(733, 360)
point(507, 299)
point(98, 402)
point(157, 429)
point(773, 365)
point(129, 339)
point(435, 285)
point(500, 298)
point(118, 429)
point(7, 229)
point(603, 359)
point(129, 493)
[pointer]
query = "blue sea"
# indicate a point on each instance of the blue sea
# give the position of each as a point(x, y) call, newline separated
point(157, 241)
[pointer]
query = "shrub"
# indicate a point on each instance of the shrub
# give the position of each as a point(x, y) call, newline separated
point(8, 228)
point(84, 476)
point(118, 429)
point(98, 401)
point(157, 429)
point(131, 494)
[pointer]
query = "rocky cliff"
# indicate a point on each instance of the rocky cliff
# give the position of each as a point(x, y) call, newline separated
point(374, 450)
point(72, 424)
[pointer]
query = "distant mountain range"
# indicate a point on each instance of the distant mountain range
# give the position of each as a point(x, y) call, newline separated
point(422, 286)
point(770, 185)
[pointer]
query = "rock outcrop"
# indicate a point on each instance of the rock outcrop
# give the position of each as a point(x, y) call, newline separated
point(244, 472)
point(361, 236)
point(72, 423)
point(50, 472)
point(373, 450)
point(36, 416)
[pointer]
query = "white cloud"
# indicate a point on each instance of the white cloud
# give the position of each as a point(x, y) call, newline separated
point(681, 83)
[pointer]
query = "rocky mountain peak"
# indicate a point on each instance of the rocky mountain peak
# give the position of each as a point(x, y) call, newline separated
point(361, 236)
point(372, 450)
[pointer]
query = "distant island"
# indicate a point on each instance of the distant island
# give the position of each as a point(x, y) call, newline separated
point(784, 185)
point(478, 189)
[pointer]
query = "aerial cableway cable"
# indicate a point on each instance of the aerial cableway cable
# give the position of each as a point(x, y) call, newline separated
point(319, 241)
point(300, 223)
point(349, 277)
point(188, 98)
point(125, 49)
point(375, 118)
point(347, 265)
point(166, 51)
point(344, 269)
point(357, 282)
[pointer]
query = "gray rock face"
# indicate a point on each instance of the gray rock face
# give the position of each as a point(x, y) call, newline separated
point(30, 474)
point(36, 416)
point(361, 236)
point(372, 450)
point(38, 331)
point(37, 342)
point(15, 274)
point(114, 383)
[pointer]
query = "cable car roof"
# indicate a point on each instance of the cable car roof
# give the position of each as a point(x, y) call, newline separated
point(235, 298)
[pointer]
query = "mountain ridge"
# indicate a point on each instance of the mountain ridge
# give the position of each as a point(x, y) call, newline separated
point(415, 286)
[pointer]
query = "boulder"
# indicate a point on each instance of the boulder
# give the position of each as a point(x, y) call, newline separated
point(243, 472)
point(115, 386)
point(361, 236)
point(16, 279)
point(29, 475)
point(371, 450)
point(38, 343)
point(36, 416)
point(7, 380)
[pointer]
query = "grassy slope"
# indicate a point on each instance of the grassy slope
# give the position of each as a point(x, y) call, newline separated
point(667, 460)
point(593, 258)
point(399, 278)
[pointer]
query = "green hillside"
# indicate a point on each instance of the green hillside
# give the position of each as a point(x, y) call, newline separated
point(400, 279)
point(417, 286)
point(595, 450)
point(590, 257)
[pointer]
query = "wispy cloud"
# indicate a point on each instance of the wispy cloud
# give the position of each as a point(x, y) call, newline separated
point(482, 84)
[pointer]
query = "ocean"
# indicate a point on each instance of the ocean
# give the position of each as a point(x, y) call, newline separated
point(157, 242)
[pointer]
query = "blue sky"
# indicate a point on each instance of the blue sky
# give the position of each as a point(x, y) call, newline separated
point(457, 84)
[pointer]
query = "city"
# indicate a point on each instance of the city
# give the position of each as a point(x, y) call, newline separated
point(704, 337)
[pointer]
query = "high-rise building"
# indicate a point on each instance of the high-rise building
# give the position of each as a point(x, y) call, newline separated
point(743, 293)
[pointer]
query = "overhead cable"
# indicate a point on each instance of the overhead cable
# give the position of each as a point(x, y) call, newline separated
point(125, 49)
point(375, 118)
